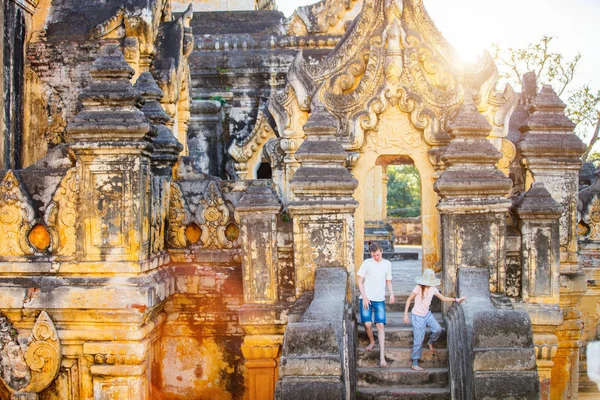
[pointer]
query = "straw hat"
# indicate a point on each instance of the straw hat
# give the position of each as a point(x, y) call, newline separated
point(428, 278)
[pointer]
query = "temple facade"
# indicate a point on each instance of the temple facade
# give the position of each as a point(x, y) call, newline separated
point(187, 187)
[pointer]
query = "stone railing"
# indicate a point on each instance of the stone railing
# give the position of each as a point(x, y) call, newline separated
point(318, 351)
point(492, 353)
point(461, 372)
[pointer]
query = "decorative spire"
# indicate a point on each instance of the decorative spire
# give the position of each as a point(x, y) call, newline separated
point(548, 131)
point(166, 146)
point(323, 176)
point(471, 159)
point(538, 203)
point(111, 106)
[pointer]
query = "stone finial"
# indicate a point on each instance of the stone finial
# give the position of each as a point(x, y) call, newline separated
point(323, 173)
point(111, 106)
point(548, 131)
point(166, 146)
point(538, 203)
point(471, 158)
point(259, 197)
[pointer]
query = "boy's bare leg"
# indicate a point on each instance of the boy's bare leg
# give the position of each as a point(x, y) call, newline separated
point(381, 337)
point(369, 330)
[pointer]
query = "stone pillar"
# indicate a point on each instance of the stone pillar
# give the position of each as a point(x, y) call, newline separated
point(2, 78)
point(16, 16)
point(589, 253)
point(111, 139)
point(473, 203)
point(323, 209)
point(384, 188)
point(540, 277)
point(165, 155)
point(552, 155)
point(262, 316)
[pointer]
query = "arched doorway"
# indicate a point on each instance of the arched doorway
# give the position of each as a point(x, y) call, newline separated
point(396, 141)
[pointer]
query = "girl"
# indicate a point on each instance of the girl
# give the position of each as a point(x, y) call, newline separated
point(421, 316)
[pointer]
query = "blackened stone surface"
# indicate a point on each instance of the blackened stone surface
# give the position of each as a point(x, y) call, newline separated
point(14, 75)
point(236, 22)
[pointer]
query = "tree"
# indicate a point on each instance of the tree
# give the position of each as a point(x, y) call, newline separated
point(583, 104)
point(404, 191)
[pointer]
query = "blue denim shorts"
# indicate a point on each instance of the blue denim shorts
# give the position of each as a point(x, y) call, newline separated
point(377, 308)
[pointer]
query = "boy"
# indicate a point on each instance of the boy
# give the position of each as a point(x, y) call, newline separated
point(374, 275)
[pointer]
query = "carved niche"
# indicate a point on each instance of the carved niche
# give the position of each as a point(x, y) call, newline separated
point(213, 218)
point(247, 154)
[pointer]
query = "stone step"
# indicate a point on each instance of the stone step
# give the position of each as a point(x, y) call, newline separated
point(399, 357)
point(398, 336)
point(402, 377)
point(403, 393)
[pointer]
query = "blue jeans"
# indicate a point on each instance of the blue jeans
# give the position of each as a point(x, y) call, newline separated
point(420, 324)
point(377, 308)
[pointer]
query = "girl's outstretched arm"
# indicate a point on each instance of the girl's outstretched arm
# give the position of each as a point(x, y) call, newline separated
point(410, 298)
point(450, 299)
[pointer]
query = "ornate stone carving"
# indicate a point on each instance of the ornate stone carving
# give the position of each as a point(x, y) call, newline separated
point(33, 371)
point(16, 218)
point(178, 216)
point(247, 153)
point(212, 216)
point(320, 18)
point(591, 218)
point(61, 215)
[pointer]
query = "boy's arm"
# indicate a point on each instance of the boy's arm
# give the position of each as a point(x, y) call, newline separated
point(389, 286)
point(450, 299)
point(361, 288)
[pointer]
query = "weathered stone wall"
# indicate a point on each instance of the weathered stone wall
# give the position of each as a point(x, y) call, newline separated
point(214, 5)
point(201, 341)
point(57, 72)
point(406, 230)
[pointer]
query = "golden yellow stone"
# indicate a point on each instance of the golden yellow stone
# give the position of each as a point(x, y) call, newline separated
point(39, 237)
point(193, 233)
point(232, 232)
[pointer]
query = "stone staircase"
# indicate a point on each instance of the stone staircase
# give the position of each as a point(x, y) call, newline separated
point(398, 380)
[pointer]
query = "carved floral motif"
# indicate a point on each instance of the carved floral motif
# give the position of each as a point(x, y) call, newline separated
point(61, 215)
point(16, 218)
point(34, 370)
point(177, 218)
point(212, 216)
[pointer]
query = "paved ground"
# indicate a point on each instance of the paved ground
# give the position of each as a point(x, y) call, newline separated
point(405, 272)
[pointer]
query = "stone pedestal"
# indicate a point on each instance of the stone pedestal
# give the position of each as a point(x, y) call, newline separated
point(323, 209)
point(263, 316)
point(473, 205)
point(262, 364)
point(552, 155)
point(111, 139)
point(538, 217)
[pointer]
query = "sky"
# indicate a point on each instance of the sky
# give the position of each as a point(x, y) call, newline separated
point(471, 26)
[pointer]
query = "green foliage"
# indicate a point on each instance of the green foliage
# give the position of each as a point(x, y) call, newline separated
point(583, 104)
point(219, 99)
point(403, 191)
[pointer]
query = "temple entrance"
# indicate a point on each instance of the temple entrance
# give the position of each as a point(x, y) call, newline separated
point(398, 149)
point(392, 200)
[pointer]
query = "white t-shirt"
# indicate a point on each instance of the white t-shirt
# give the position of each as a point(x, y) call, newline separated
point(422, 304)
point(375, 274)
